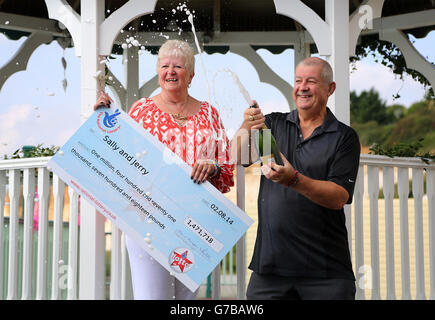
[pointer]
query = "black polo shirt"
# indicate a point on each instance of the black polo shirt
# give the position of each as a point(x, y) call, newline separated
point(296, 237)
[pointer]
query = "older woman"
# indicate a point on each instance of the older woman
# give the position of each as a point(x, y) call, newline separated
point(193, 131)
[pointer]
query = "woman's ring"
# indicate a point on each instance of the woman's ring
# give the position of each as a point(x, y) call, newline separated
point(251, 118)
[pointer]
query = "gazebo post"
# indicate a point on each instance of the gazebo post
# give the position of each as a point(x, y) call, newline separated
point(92, 282)
point(130, 60)
point(337, 17)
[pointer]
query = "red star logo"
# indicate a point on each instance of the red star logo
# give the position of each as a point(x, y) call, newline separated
point(181, 260)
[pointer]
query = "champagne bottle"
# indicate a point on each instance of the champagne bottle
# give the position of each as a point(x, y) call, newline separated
point(266, 145)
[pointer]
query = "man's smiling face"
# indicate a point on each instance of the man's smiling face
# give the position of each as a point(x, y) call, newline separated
point(310, 90)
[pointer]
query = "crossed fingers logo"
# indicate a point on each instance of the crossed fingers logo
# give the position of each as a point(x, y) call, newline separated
point(109, 121)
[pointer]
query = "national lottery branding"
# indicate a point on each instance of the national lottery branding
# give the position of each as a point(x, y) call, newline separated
point(120, 169)
point(108, 123)
point(181, 260)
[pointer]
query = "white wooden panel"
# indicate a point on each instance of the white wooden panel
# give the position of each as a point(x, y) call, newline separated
point(417, 191)
point(29, 185)
point(388, 188)
point(14, 196)
point(430, 190)
point(241, 244)
point(359, 232)
point(403, 190)
point(373, 190)
point(126, 285)
point(57, 262)
point(115, 269)
point(73, 240)
point(348, 220)
point(42, 261)
point(2, 205)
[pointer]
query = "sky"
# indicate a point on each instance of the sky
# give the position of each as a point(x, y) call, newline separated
point(35, 109)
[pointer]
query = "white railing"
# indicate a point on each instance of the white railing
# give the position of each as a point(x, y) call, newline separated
point(396, 242)
point(28, 182)
point(378, 247)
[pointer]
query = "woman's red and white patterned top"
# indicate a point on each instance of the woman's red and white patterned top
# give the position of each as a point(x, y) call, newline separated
point(191, 142)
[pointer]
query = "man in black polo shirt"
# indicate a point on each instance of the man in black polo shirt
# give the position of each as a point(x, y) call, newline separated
point(301, 250)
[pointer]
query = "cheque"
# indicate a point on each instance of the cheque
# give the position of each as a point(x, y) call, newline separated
point(146, 191)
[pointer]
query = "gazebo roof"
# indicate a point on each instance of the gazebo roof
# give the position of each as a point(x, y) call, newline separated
point(330, 28)
point(213, 16)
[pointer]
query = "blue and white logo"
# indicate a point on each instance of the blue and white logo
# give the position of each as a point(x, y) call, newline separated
point(108, 123)
point(110, 120)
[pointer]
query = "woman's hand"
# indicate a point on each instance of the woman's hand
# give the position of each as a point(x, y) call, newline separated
point(202, 170)
point(103, 101)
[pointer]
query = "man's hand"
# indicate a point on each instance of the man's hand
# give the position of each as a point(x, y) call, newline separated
point(279, 174)
point(253, 118)
point(242, 142)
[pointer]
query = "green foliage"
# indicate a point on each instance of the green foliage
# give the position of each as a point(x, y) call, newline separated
point(368, 106)
point(396, 112)
point(394, 131)
point(402, 150)
point(417, 125)
point(371, 132)
point(417, 107)
point(35, 152)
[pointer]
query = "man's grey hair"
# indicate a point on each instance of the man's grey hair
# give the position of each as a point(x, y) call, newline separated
point(327, 73)
point(178, 48)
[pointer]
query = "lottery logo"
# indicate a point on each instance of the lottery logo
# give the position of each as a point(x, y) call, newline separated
point(181, 260)
point(108, 123)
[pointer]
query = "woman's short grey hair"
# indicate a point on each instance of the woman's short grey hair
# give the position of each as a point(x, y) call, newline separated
point(178, 48)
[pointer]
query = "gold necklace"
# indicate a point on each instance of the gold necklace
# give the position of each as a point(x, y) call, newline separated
point(178, 116)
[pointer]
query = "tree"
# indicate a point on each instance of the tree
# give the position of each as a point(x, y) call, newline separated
point(417, 125)
point(396, 111)
point(368, 106)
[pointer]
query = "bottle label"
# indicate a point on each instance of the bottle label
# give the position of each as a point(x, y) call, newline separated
point(267, 159)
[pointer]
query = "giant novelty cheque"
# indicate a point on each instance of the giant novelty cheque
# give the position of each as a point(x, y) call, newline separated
point(145, 190)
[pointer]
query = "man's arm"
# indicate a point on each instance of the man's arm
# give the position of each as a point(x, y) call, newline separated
point(327, 194)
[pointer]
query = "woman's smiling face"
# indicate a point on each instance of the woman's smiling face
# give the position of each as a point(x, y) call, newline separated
point(173, 74)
